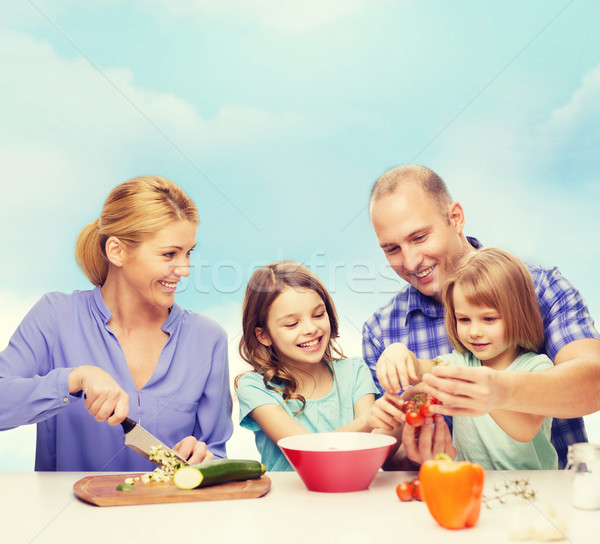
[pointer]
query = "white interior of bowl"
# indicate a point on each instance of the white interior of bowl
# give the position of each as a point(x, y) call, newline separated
point(335, 441)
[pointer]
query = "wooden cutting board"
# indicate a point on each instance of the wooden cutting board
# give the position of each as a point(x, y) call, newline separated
point(102, 491)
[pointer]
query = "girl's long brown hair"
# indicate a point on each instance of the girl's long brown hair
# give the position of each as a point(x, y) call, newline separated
point(265, 285)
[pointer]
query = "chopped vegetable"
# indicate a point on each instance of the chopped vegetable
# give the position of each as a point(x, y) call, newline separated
point(125, 487)
point(167, 460)
point(169, 464)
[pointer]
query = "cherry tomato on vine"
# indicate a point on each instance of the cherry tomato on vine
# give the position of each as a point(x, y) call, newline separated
point(404, 490)
point(416, 485)
point(424, 409)
point(414, 418)
point(408, 406)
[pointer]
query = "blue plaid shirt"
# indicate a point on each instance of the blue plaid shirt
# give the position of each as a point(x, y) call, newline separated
point(418, 321)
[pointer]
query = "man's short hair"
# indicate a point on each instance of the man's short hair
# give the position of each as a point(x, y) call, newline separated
point(431, 183)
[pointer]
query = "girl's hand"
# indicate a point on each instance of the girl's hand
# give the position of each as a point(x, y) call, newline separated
point(104, 398)
point(193, 451)
point(396, 368)
point(386, 413)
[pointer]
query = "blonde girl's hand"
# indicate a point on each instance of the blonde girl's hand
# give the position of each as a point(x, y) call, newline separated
point(192, 450)
point(104, 398)
point(396, 368)
point(386, 413)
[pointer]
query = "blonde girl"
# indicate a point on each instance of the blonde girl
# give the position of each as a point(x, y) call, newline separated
point(492, 320)
point(301, 382)
point(79, 363)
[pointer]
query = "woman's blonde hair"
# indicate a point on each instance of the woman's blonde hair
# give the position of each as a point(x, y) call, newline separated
point(134, 211)
point(265, 285)
point(497, 279)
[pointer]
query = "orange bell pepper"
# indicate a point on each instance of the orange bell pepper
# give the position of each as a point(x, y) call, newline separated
point(452, 491)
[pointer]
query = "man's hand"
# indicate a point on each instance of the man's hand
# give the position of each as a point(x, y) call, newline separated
point(425, 442)
point(466, 391)
point(396, 368)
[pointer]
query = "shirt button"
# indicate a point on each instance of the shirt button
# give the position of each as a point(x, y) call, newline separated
point(66, 399)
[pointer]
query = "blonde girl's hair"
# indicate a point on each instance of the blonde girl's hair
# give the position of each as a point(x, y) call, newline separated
point(495, 278)
point(134, 211)
point(265, 285)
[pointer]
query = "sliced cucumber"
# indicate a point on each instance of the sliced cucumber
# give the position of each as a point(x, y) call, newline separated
point(220, 471)
point(217, 471)
point(125, 487)
point(187, 477)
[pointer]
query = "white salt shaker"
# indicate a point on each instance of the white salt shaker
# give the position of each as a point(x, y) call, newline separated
point(583, 460)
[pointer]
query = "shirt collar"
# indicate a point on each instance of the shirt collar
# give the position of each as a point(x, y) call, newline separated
point(101, 305)
point(474, 242)
point(428, 305)
point(168, 326)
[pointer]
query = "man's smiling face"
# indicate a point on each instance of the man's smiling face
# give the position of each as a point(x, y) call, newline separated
point(421, 243)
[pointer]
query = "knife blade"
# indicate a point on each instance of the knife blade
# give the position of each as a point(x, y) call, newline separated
point(140, 441)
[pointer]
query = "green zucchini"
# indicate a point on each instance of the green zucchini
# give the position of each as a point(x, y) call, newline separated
point(217, 471)
point(187, 477)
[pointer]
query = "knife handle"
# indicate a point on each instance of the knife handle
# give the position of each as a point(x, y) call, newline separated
point(128, 424)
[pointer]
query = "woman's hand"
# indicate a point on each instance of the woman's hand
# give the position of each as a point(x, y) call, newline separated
point(104, 398)
point(425, 442)
point(396, 368)
point(192, 451)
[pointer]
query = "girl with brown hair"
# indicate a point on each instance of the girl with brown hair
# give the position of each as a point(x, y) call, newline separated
point(301, 381)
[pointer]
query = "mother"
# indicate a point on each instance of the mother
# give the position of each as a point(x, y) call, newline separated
point(124, 348)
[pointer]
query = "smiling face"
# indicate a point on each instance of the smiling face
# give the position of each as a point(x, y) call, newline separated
point(482, 331)
point(153, 269)
point(421, 243)
point(297, 327)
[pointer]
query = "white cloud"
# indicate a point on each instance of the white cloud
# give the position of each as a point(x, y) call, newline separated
point(70, 133)
point(288, 17)
point(62, 113)
point(579, 115)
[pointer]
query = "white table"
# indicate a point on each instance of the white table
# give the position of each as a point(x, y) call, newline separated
point(41, 508)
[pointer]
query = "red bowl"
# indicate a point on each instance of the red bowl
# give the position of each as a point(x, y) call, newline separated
point(337, 462)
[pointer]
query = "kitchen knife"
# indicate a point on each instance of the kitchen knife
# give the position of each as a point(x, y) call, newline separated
point(140, 440)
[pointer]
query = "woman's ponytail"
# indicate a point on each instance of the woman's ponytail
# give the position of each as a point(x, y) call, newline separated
point(89, 252)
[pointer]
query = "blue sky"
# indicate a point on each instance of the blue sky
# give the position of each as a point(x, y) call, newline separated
point(277, 117)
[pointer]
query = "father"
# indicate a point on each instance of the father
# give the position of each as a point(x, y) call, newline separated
point(420, 230)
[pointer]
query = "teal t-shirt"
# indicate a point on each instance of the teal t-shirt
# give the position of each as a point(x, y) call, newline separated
point(352, 381)
point(481, 440)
